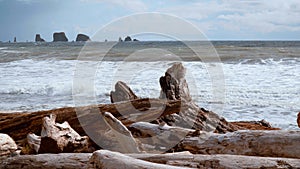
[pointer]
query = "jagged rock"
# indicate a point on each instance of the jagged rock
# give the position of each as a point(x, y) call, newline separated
point(135, 40)
point(7, 145)
point(38, 38)
point(128, 38)
point(120, 39)
point(122, 93)
point(82, 37)
point(298, 120)
point(60, 37)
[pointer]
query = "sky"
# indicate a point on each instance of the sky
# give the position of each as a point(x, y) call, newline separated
point(217, 19)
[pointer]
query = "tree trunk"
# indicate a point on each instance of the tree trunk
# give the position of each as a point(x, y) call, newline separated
point(18, 125)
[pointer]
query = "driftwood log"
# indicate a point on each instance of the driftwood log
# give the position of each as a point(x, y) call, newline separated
point(182, 159)
point(298, 120)
point(47, 161)
point(253, 143)
point(18, 125)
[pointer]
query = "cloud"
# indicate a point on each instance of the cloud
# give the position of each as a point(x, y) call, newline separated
point(261, 16)
point(132, 5)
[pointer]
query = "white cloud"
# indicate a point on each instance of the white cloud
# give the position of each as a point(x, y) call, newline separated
point(132, 5)
point(236, 15)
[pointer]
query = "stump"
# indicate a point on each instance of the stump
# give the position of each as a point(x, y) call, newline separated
point(61, 138)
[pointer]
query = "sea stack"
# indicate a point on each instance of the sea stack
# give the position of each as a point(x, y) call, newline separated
point(38, 38)
point(82, 37)
point(128, 38)
point(59, 37)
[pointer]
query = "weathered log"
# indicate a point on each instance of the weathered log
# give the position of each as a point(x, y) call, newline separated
point(7, 145)
point(126, 142)
point(47, 161)
point(276, 143)
point(122, 93)
point(108, 159)
point(61, 138)
point(18, 125)
point(219, 161)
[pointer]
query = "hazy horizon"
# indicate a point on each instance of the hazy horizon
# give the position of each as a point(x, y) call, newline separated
point(218, 19)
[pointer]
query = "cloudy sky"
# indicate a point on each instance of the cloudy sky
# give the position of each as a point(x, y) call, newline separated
point(218, 19)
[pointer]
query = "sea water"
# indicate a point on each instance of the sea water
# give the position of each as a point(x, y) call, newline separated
point(261, 79)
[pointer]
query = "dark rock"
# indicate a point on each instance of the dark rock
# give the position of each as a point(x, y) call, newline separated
point(38, 38)
point(120, 39)
point(82, 37)
point(135, 40)
point(15, 39)
point(60, 37)
point(128, 38)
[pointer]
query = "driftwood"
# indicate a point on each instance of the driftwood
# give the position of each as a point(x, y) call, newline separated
point(126, 142)
point(47, 161)
point(7, 145)
point(122, 93)
point(219, 161)
point(61, 138)
point(18, 125)
point(182, 159)
point(107, 159)
point(32, 144)
point(253, 143)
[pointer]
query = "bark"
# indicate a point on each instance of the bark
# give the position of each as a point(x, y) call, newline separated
point(254, 143)
point(18, 125)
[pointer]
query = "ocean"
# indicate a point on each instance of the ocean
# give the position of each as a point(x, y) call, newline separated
point(261, 78)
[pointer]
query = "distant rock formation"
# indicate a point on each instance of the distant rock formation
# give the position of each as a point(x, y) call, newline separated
point(135, 40)
point(15, 39)
point(128, 38)
point(82, 37)
point(59, 37)
point(120, 39)
point(38, 38)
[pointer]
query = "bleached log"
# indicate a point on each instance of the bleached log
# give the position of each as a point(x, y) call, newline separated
point(47, 161)
point(108, 159)
point(32, 144)
point(276, 143)
point(124, 137)
point(219, 161)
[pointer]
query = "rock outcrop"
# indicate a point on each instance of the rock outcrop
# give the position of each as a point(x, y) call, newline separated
point(38, 38)
point(7, 145)
point(127, 39)
point(82, 38)
point(60, 37)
